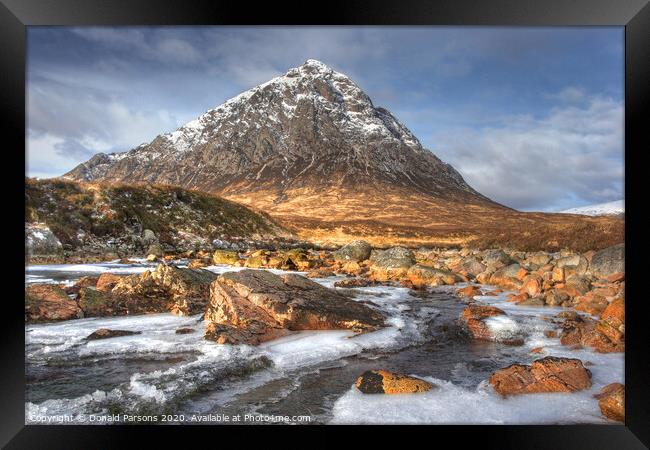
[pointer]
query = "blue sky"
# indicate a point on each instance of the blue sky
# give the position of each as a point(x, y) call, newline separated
point(531, 117)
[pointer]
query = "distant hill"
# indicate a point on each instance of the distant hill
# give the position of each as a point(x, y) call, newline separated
point(614, 208)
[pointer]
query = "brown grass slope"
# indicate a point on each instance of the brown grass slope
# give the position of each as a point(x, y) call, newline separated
point(104, 210)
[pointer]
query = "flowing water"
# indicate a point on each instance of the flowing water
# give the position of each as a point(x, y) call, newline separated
point(307, 377)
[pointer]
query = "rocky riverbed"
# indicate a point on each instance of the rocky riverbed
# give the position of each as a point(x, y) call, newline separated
point(488, 333)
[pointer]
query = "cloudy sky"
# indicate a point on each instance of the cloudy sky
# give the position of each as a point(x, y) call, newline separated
point(531, 117)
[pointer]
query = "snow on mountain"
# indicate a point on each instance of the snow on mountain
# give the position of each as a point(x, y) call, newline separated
point(312, 126)
point(600, 209)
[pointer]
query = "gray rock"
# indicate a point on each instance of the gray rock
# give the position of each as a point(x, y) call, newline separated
point(493, 256)
point(608, 261)
point(40, 241)
point(392, 258)
point(149, 237)
point(354, 251)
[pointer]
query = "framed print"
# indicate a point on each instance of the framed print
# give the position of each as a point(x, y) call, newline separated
point(411, 214)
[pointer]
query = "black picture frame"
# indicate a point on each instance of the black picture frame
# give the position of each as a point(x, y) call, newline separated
point(634, 15)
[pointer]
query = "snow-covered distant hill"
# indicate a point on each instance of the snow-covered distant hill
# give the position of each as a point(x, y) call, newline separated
point(601, 209)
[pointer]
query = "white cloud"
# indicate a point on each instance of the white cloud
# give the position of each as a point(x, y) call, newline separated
point(572, 153)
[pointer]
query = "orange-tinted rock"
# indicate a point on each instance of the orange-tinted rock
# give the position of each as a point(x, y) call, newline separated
point(421, 275)
point(611, 400)
point(468, 291)
point(252, 306)
point(48, 302)
point(521, 274)
point(537, 350)
point(558, 274)
point(320, 273)
point(107, 282)
point(590, 303)
point(549, 374)
point(532, 286)
point(354, 283)
point(473, 318)
point(385, 382)
point(584, 331)
point(517, 298)
point(197, 264)
point(615, 277)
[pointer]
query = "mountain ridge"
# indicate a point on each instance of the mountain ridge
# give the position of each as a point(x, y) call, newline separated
point(312, 126)
point(311, 149)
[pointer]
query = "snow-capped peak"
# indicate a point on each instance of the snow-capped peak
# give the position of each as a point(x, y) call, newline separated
point(600, 209)
point(312, 82)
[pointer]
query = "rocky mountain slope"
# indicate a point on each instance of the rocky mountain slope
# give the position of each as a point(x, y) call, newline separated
point(93, 218)
point(311, 149)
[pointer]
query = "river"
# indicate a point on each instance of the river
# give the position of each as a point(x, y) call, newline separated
point(307, 377)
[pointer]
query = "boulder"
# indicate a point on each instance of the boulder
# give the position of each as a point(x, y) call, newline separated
point(155, 250)
point(189, 288)
point(107, 282)
point(391, 264)
point(320, 273)
point(576, 264)
point(469, 267)
point(421, 275)
point(256, 261)
point(538, 259)
point(40, 241)
point(496, 256)
point(549, 374)
point(468, 292)
point(611, 400)
point(149, 238)
point(105, 333)
point(608, 261)
point(167, 288)
point(252, 306)
point(354, 251)
point(579, 331)
point(197, 264)
point(49, 302)
point(385, 382)
point(225, 257)
point(532, 285)
point(96, 303)
point(507, 277)
point(354, 282)
point(473, 318)
point(88, 281)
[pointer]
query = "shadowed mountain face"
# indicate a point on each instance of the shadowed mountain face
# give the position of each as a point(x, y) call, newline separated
point(310, 148)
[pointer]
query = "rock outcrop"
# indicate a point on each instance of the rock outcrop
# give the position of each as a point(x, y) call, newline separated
point(611, 400)
point(392, 263)
point(252, 306)
point(47, 303)
point(550, 374)
point(354, 251)
point(608, 261)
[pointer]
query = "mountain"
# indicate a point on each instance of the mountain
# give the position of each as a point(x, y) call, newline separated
point(311, 149)
point(92, 218)
point(601, 209)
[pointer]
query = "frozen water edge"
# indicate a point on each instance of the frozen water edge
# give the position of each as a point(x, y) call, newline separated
point(452, 404)
point(293, 355)
point(65, 341)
